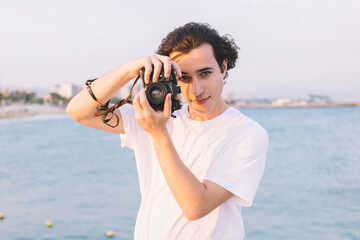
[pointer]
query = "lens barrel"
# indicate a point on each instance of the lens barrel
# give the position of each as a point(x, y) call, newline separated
point(156, 93)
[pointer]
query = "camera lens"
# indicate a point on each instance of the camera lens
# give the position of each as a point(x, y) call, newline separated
point(156, 94)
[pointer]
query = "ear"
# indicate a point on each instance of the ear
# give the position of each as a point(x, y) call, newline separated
point(224, 66)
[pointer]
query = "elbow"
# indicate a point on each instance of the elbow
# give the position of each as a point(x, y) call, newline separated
point(196, 208)
point(195, 214)
point(192, 217)
point(71, 113)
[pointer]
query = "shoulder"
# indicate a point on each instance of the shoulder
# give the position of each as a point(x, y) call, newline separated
point(241, 127)
point(240, 122)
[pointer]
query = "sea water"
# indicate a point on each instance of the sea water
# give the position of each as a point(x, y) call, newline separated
point(80, 179)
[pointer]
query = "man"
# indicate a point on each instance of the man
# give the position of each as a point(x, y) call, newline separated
point(197, 170)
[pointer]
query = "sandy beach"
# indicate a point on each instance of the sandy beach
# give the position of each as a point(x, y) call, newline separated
point(24, 110)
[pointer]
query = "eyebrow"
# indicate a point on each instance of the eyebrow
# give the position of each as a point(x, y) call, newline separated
point(200, 70)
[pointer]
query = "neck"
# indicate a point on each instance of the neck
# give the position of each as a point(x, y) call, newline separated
point(217, 110)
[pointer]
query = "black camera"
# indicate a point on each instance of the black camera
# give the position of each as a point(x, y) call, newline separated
point(156, 91)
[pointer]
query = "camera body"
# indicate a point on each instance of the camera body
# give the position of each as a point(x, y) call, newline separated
point(156, 91)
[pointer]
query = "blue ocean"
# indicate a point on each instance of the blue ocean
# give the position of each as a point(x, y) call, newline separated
point(80, 179)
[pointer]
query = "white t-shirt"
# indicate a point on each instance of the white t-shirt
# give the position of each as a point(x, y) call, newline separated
point(229, 150)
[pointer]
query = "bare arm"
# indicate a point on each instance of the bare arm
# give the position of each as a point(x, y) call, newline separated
point(195, 198)
point(82, 107)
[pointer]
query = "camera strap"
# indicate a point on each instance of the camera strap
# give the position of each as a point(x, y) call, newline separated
point(105, 111)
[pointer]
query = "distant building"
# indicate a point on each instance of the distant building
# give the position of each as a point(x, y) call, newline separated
point(66, 90)
point(318, 99)
point(281, 102)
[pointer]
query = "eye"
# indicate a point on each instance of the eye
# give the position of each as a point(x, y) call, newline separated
point(184, 79)
point(205, 73)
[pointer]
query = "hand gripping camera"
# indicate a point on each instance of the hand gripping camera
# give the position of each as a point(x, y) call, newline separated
point(156, 91)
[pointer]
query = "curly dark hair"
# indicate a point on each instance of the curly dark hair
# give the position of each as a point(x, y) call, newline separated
point(192, 35)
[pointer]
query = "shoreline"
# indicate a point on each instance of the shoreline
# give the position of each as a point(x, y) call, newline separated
point(28, 110)
point(328, 105)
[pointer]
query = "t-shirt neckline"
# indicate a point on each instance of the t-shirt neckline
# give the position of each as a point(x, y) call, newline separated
point(204, 123)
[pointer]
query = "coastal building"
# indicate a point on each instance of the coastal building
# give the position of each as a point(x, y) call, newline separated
point(319, 99)
point(278, 102)
point(66, 90)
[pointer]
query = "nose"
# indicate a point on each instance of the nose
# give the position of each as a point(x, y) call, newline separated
point(197, 88)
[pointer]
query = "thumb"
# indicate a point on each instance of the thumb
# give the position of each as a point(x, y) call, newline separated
point(167, 105)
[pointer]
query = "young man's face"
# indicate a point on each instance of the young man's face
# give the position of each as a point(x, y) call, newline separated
point(202, 82)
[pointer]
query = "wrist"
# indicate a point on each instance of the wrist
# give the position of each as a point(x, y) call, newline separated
point(123, 73)
point(131, 69)
point(159, 135)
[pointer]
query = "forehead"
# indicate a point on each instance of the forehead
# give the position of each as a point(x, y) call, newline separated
point(197, 58)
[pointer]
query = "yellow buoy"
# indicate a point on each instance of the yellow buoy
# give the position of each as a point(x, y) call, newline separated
point(48, 223)
point(110, 234)
point(1, 216)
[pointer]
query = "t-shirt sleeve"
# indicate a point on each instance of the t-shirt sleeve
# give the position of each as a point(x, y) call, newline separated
point(241, 165)
point(130, 125)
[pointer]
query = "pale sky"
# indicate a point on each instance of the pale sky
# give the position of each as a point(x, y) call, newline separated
point(288, 48)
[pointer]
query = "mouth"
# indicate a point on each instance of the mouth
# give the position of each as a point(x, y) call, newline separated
point(200, 101)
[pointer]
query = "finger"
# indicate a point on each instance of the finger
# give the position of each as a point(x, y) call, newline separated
point(144, 102)
point(136, 104)
point(148, 70)
point(157, 67)
point(176, 68)
point(167, 105)
point(167, 65)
